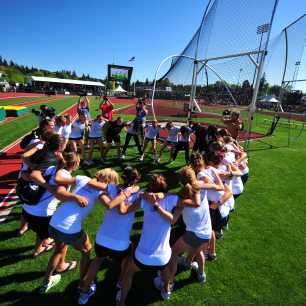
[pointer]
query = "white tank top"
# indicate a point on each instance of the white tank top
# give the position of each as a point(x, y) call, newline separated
point(197, 219)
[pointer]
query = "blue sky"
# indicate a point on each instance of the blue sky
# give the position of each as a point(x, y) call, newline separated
point(87, 35)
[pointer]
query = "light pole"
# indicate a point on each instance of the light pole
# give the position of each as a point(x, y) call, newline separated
point(264, 28)
point(238, 81)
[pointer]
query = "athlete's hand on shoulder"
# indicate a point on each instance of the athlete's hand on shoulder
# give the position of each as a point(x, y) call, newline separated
point(160, 195)
point(131, 190)
point(219, 188)
point(82, 201)
point(151, 197)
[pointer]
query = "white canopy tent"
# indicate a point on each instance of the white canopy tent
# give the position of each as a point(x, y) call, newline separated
point(119, 89)
point(268, 99)
point(274, 101)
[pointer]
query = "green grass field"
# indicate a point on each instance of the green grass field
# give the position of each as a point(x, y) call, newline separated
point(261, 259)
point(15, 129)
point(22, 100)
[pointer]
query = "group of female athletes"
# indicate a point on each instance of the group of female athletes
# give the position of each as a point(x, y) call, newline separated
point(212, 179)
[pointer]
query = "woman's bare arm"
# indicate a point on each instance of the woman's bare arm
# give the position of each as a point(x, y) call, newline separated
point(176, 214)
point(218, 179)
point(25, 157)
point(62, 180)
point(242, 157)
point(235, 170)
point(188, 203)
point(38, 178)
point(226, 196)
point(168, 216)
point(123, 208)
point(63, 195)
point(151, 196)
point(96, 184)
point(122, 196)
point(206, 183)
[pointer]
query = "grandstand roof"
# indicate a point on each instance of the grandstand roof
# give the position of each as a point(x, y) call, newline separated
point(66, 81)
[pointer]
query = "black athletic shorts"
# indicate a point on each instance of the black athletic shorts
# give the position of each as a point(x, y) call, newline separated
point(236, 196)
point(76, 139)
point(149, 268)
point(216, 219)
point(193, 240)
point(112, 138)
point(39, 225)
point(64, 237)
point(102, 251)
point(150, 139)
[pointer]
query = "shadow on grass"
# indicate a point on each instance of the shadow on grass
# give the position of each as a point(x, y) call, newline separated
point(8, 235)
point(137, 225)
point(12, 256)
point(20, 277)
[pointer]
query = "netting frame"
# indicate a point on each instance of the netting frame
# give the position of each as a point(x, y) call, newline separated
point(285, 83)
point(259, 63)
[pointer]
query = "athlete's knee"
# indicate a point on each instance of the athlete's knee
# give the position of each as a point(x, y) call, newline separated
point(87, 247)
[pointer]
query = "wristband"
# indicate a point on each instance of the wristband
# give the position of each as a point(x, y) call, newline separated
point(156, 206)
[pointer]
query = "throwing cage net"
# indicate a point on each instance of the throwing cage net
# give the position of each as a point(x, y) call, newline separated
point(220, 67)
point(281, 103)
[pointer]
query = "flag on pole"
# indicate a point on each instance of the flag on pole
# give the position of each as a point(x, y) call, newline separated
point(263, 28)
point(132, 59)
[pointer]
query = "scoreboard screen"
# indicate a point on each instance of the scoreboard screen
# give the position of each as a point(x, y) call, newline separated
point(119, 73)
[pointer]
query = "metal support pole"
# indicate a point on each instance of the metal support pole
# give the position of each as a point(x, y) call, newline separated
point(193, 90)
point(252, 109)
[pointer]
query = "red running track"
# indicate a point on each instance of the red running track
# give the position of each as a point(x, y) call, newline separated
point(13, 95)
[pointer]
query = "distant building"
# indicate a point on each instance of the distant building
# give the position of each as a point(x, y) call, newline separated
point(62, 86)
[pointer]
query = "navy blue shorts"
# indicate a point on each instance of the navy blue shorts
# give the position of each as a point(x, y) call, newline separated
point(64, 237)
point(102, 251)
point(149, 268)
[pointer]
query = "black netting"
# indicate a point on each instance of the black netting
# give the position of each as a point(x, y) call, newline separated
point(286, 65)
point(228, 28)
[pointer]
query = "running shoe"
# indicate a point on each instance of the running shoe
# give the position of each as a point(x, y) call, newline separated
point(54, 280)
point(212, 256)
point(225, 227)
point(194, 266)
point(219, 234)
point(118, 297)
point(93, 286)
point(85, 296)
point(159, 285)
point(88, 162)
point(201, 277)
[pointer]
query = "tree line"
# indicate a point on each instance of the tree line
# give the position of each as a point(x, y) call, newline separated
point(21, 73)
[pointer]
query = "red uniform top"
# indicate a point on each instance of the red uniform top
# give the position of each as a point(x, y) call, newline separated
point(107, 111)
